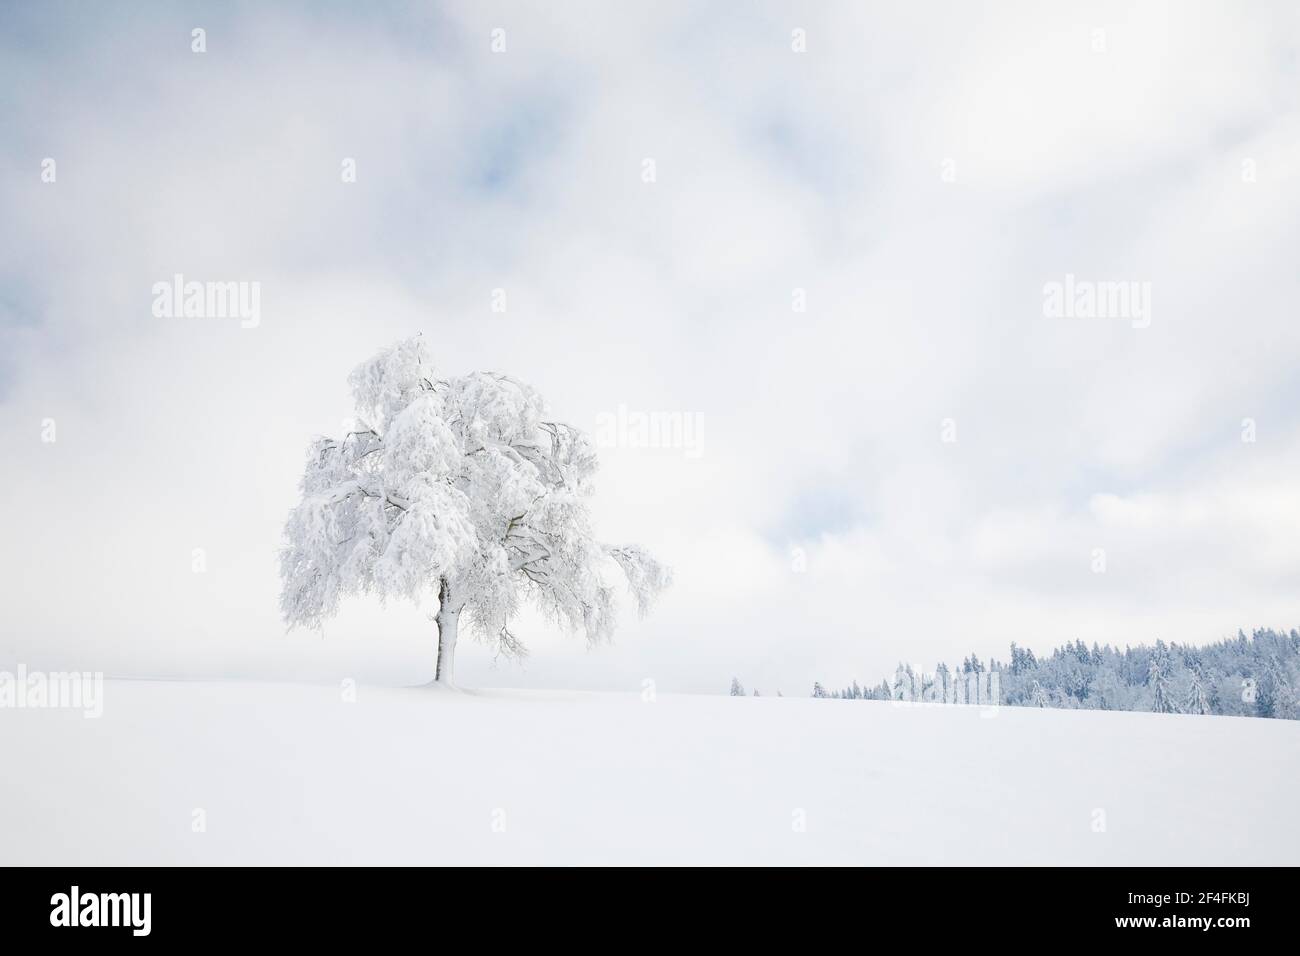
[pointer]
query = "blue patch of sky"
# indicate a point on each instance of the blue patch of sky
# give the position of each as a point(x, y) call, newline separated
point(1274, 417)
point(816, 511)
point(20, 315)
point(501, 152)
point(807, 155)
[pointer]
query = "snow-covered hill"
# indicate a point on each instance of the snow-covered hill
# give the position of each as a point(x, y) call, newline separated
point(279, 773)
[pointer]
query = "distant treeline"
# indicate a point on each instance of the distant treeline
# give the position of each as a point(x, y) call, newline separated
point(1254, 676)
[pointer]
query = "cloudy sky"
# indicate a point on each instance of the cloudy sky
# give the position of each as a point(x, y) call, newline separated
point(820, 231)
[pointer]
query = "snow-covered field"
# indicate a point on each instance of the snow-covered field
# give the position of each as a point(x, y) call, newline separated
point(284, 773)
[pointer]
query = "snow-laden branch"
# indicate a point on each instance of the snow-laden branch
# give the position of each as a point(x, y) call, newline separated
point(646, 577)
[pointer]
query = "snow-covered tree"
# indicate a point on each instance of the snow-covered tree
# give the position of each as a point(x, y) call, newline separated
point(1274, 691)
point(1198, 702)
point(737, 690)
point(942, 679)
point(904, 683)
point(1158, 679)
point(1038, 696)
point(460, 488)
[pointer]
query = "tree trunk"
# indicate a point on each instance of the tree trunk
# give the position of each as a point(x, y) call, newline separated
point(448, 620)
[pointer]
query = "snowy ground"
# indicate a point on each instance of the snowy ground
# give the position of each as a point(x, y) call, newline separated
point(294, 774)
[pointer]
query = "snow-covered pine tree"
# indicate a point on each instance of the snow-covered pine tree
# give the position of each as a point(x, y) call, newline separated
point(818, 690)
point(1158, 679)
point(942, 681)
point(1274, 694)
point(1038, 696)
point(906, 687)
point(736, 689)
point(459, 487)
point(1198, 702)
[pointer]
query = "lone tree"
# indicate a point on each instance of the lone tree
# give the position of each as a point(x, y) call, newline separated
point(457, 487)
